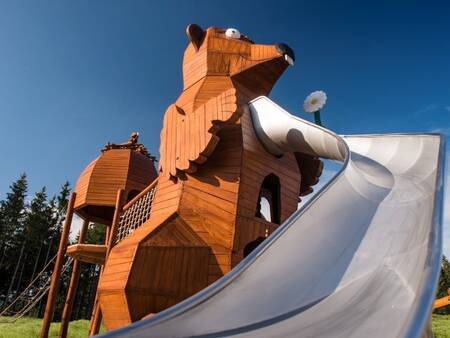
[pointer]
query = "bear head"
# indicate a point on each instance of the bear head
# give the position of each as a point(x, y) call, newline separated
point(226, 52)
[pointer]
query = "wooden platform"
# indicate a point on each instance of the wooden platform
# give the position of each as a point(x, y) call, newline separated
point(88, 253)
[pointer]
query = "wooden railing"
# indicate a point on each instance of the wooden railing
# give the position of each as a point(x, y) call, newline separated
point(136, 212)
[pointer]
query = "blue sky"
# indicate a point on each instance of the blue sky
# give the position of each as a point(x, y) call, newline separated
point(76, 74)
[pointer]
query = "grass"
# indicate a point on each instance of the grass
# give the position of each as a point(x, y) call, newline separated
point(28, 327)
point(441, 326)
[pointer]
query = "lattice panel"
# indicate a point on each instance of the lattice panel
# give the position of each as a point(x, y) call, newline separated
point(135, 215)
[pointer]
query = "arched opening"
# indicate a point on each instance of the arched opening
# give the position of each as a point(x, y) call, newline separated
point(269, 206)
point(132, 194)
point(252, 246)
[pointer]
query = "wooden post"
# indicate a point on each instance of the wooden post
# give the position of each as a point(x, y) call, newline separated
point(94, 313)
point(68, 305)
point(115, 223)
point(54, 285)
point(96, 318)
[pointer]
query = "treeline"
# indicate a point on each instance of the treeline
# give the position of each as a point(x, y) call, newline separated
point(30, 230)
point(444, 285)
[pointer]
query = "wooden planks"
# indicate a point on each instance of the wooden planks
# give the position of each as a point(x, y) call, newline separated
point(256, 165)
point(88, 253)
point(169, 265)
point(211, 170)
point(441, 302)
point(189, 138)
point(112, 170)
point(172, 273)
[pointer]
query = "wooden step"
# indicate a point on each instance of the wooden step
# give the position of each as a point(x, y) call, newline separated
point(88, 253)
point(441, 302)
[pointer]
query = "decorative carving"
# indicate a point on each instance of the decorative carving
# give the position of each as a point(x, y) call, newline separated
point(189, 139)
point(132, 144)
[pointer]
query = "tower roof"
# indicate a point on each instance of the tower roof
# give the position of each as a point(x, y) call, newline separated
point(126, 166)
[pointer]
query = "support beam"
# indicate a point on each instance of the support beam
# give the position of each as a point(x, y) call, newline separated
point(68, 305)
point(95, 310)
point(54, 285)
point(110, 237)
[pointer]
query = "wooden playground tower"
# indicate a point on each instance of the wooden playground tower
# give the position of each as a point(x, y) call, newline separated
point(170, 236)
point(114, 178)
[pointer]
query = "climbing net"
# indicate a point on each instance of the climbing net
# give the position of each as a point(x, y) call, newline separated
point(31, 295)
point(136, 212)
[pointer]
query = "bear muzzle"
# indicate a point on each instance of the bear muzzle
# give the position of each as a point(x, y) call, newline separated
point(287, 52)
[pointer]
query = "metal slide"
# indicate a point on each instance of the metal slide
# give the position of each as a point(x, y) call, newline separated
point(360, 259)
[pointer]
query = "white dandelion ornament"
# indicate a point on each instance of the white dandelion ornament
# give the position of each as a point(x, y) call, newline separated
point(314, 102)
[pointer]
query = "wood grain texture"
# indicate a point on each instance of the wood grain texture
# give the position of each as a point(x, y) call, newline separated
point(112, 170)
point(211, 171)
point(189, 138)
point(441, 302)
point(88, 253)
point(169, 265)
point(110, 241)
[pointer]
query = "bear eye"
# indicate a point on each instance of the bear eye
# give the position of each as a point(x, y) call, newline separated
point(232, 33)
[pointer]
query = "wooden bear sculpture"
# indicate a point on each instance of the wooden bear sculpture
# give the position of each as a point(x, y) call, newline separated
point(219, 193)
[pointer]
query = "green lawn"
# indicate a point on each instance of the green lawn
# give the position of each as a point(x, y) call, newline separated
point(28, 327)
point(441, 326)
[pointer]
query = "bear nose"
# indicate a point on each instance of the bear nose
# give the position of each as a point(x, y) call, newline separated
point(285, 50)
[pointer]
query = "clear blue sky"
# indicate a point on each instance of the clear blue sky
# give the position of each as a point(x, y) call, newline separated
point(76, 74)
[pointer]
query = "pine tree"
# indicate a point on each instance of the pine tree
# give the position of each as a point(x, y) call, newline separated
point(38, 225)
point(29, 234)
point(96, 234)
point(58, 205)
point(444, 284)
point(61, 204)
point(12, 225)
point(444, 279)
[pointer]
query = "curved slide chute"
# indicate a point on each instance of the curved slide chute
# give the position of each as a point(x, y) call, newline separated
point(360, 259)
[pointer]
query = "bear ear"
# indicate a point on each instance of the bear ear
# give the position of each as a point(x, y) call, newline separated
point(196, 35)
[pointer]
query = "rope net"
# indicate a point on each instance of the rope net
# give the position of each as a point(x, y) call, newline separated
point(136, 213)
point(32, 294)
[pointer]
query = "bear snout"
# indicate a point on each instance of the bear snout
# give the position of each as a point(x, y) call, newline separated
point(284, 49)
